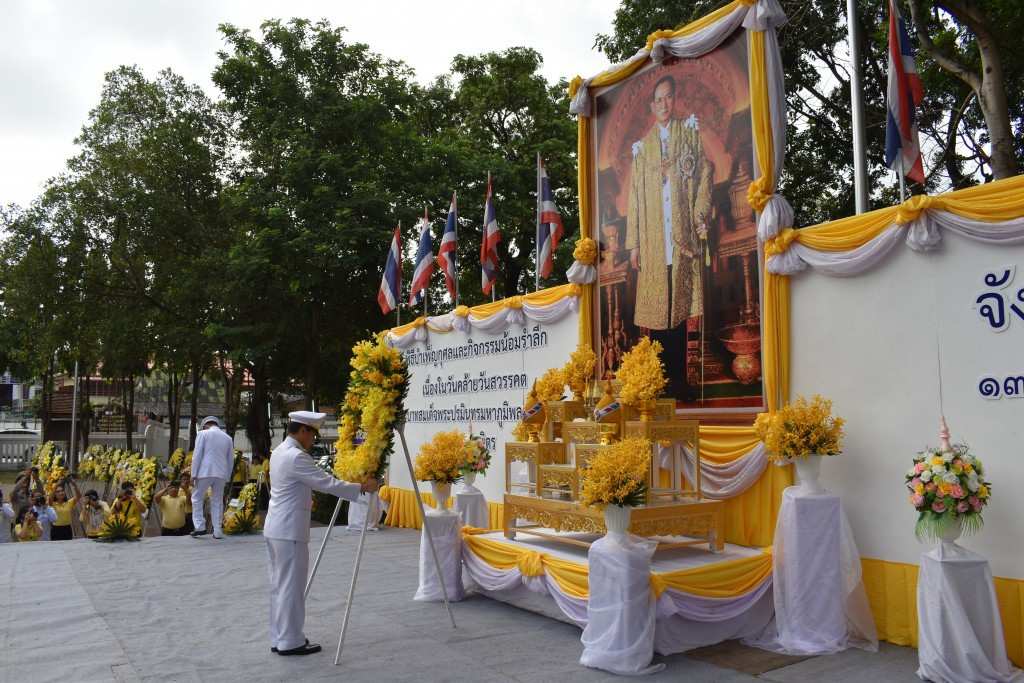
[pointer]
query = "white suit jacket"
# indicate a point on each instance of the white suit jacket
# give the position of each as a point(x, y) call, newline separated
point(214, 454)
point(293, 477)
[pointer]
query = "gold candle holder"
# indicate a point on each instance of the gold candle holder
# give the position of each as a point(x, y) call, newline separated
point(532, 431)
point(609, 432)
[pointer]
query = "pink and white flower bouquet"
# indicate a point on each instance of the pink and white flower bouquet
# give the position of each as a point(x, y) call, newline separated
point(947, 488)
point(478, 457)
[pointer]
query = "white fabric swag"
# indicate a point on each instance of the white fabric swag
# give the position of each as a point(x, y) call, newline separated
point(720, 482)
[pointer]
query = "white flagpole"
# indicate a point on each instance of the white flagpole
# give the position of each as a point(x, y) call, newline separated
point(536, 269)
point(398, 294)
point(860, 171)
point(903, 180)
point(455, 201)
point(426, 285)
point(493, 293)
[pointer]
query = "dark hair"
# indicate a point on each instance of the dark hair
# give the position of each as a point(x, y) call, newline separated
point(127, 486)
point(22, 511)
point(91, 493)
point(293, 427)
point(175, 482)
point(664, 79)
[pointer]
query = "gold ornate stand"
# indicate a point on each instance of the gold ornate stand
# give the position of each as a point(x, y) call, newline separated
point(704, 519)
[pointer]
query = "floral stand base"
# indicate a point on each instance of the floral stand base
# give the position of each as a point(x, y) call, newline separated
point(807, 472)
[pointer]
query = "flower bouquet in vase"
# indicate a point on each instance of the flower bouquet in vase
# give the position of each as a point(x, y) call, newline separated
point(948, 491)
point(440, 461)
point(643, 376)
point(799, 433)
point(579, 370)
point(477, 458)
point(616, 480)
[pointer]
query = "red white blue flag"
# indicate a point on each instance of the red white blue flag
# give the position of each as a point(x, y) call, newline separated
point(549, 226)
point(904, 93)
point(391, 284)
point(446, 252)
point(424, 264)
point(489, 244)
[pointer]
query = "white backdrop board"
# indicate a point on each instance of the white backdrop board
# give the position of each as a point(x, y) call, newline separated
point(460, 378)
point(875, 345)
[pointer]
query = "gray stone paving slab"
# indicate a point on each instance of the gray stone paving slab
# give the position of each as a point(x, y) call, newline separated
point(183, 609)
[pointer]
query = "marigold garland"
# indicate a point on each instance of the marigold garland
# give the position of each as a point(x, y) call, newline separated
point(441, 459)
point(617, 475)
point(374, 402)
point(641, 372)
point(800, 429)
point(585, 251)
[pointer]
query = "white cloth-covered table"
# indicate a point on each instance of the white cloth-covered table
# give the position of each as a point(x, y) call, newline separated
point(820, 603)
point(471, 503)
point(446, 530)
point(358, 509)
point(959, 633)
point(619, 635)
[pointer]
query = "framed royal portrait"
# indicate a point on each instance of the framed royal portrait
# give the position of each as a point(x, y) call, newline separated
point(679, 260)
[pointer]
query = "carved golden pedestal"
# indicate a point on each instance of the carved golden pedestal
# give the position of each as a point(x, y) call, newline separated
point(559, 413)
point(664, 409)
point(704, 519)
point(534, 454)
point(581, 432)
point(676, 433)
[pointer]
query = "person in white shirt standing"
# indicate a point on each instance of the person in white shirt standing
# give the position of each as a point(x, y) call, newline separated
point(212, 461)
point(6, 517)
point(293, 477)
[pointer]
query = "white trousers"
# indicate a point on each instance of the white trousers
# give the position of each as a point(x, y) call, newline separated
point(216, 503)
point(288, 562)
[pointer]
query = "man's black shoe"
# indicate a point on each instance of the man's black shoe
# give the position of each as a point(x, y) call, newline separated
point(306, 649)
point(274, 649)
point(197, 533)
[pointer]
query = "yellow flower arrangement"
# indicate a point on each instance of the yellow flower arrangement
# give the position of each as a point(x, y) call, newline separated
point(43, 456)
point(580, 367)
point(377, 387)
point(617, 475)
point(641, 372)
point(243, 519)
point(441, 459)
point(520, 433)
point(551, 385)
point(585, 251)
point(800, 429)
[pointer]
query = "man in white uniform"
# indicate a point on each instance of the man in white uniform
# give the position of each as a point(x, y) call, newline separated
point(212, 461)
point(293, 477)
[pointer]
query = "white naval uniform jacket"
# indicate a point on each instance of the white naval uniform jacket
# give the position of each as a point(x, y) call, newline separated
point(293, 476)
point(214, 454)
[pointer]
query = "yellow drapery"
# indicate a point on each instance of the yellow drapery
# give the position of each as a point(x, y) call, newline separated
point(892, 594)
point(722, 580)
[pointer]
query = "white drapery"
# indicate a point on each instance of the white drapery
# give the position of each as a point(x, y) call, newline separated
point(445, 529)
point(720, 482)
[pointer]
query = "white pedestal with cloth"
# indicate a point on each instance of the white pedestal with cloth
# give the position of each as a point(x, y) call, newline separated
point(820, 603)
point(446, 530)
point(470, 501)
point(959, 633)
point(367, 504)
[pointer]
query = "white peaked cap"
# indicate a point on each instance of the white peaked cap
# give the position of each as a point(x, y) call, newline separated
point(309, 418)
point(208, 420)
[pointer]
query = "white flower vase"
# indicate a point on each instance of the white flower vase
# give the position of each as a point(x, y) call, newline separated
point(949, 533)
point(807, 471)
point(442, 492)
point(469, 478)
point(616, 519)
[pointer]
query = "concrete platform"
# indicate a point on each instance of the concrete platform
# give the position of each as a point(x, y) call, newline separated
point(184, 609)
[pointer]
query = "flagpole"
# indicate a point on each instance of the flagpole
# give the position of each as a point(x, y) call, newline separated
point(426, 287)
point(903, 180)
point(455, 201)
point(398, 294)
point(860, 171)
point(536, 269)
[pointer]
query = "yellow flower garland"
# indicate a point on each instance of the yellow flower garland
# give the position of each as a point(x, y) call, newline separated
point(585, 251)
point(374, 403)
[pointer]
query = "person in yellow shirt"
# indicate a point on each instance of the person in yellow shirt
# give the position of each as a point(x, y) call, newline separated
point(241, 474)
point(26, 527)
point(172, 500)
point(94, 513)
point(58, 500)
point(129, 505)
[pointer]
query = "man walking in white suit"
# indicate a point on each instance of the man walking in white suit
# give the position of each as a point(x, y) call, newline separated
point(212, 461)
point(293, 477)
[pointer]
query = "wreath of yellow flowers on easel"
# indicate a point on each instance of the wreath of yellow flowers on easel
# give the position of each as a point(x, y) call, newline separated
point(374, 402)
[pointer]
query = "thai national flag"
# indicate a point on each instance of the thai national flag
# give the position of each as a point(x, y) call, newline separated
point(391, 285)
point(904, 93)
point(446, 252)
point(489, 245)
point(549, 228)
point(424, 264)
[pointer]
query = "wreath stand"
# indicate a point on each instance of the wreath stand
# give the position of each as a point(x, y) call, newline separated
point(359, 552)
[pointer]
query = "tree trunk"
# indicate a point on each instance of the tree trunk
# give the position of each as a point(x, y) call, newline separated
point(129, 410)
point(232, 379)
point(257, 423)
point(172, 412)
point(85, 423)
point(196, 376)
point(311, 355)
point(992, 99)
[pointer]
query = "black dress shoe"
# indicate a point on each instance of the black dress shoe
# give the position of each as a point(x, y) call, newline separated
point(306, 649)
point(274, 649)
point(197, 533)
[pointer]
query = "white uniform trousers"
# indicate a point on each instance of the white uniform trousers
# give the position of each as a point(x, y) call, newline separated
point(216, 503)
point(288, 562)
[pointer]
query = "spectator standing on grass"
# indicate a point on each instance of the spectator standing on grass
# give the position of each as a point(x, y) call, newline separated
point(60, 530)
point(94, 513)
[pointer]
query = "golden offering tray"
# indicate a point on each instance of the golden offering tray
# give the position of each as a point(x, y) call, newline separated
point(702, 519)
point(533, 454)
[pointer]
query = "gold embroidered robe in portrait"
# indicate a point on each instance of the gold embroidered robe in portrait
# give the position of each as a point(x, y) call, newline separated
point(689, 176)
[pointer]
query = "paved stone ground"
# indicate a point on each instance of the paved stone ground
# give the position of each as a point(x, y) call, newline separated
point(183, 609)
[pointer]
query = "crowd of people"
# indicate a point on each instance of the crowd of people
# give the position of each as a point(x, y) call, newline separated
point(30, 514)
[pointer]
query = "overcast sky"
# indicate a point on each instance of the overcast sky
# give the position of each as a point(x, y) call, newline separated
point(53, 53)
